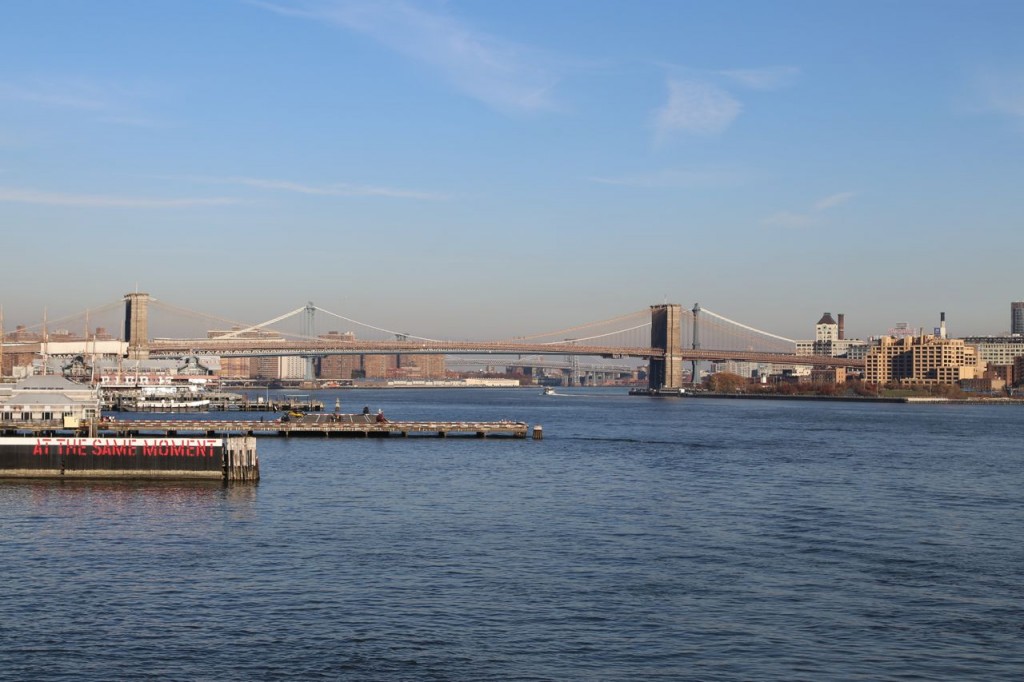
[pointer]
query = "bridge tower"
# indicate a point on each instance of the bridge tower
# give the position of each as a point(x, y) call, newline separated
point(309, 331)
point(666, 333)
point(694, 373)
point(136, 325)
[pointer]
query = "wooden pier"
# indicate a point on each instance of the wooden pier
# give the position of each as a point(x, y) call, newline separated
point(322, 425)
point(325, 428)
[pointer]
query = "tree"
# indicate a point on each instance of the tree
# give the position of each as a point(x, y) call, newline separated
point(726, 382)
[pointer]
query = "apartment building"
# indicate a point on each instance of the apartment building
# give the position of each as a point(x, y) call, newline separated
point(921, 361)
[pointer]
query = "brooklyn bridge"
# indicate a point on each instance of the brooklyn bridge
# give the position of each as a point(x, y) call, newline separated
point(667, 336)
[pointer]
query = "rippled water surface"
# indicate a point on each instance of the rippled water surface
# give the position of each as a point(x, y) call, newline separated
point(641, 539)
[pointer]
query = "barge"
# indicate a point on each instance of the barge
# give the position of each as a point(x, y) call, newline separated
point(228, 459)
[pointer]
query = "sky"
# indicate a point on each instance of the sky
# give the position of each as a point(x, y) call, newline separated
point(473, 169)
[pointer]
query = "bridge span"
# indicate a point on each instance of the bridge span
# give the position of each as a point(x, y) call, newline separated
point(666, 353)
point(665, 356)
point(270, 348)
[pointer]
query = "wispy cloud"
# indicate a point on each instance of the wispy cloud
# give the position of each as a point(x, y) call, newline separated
point(764, 78)
point(833, 200)
point(107, 103)
point(137, 122)
point(811, 217)
point(695, 107)
point(673, 179)
point(504, 75)
point(338, 189)
point(1000, 92)
point(29, 196)
point(703, 101)
point(791, 220)
point(64, 95)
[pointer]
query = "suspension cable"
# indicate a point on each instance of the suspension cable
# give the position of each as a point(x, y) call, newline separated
point(379, 329)
point(582, 326)
point(740, 324)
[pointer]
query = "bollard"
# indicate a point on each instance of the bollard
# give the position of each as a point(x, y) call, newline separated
point(538, 432)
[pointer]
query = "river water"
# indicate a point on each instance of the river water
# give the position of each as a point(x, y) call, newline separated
point(642, 539)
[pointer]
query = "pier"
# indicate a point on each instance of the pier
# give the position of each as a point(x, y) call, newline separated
point(325, 426)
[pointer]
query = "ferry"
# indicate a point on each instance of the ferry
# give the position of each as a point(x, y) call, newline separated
point(158, 399)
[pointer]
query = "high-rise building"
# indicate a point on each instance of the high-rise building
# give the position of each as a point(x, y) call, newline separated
point(426, 366)
point(340, 367)
point(1017, 317)
point(246, 368)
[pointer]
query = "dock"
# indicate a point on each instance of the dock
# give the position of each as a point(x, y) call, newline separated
point(325, 428)
point(322, 425)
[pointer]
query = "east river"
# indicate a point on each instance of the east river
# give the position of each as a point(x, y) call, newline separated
point(642, 539)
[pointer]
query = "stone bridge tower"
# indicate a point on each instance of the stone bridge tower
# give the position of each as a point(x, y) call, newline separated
point(136, 325)
point(666, 373)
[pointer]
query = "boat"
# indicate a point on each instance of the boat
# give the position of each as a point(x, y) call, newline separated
point(161, 399)
point(163, 404)
point(548, 390)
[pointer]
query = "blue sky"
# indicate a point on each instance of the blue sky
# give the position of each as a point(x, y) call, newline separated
point(483, 169)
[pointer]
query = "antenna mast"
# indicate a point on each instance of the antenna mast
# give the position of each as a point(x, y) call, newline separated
point(46, 344)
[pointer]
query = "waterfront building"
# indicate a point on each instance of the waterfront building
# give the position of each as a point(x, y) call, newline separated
point(199, 370)
point(921, 361)
point(339, 367)
point(48, 399)
point(997, 350)
point(984, 385)
point(1007, 373)
point(829, 375)
point(245, 368)
point(235, 368)
point(421, 366)
point(746, 370)
point(408, 366)
point(290, 367)
point(377, 366)
point(830, 340)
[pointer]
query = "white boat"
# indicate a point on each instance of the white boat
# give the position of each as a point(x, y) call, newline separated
point(548, 390)
point(162, 399)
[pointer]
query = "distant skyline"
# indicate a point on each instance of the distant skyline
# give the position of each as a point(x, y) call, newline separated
point(484, 169)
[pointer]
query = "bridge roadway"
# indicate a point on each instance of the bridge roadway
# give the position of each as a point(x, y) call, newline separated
point(275, 347)
point(178, 348)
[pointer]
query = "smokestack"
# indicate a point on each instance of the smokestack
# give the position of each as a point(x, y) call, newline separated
point(942, 325)
point(842, 326)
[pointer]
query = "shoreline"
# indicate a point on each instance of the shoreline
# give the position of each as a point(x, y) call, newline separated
point(923, 400)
